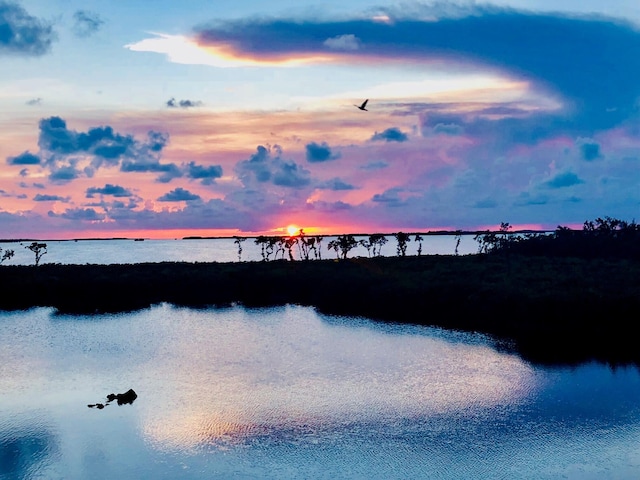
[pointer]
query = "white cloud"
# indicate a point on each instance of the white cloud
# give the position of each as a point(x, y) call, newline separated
point(347, 42)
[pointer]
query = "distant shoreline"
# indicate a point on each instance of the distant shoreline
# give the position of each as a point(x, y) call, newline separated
point(550, 310)
point(198, 237)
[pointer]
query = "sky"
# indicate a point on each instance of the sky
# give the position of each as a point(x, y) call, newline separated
point(166, 119)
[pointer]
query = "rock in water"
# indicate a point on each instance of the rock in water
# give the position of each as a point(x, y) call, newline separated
point(123, 398)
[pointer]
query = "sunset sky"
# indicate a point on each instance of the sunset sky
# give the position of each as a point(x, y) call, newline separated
point(166, 118)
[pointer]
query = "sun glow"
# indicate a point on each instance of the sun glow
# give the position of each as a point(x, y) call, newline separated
point(293, 230)
point(186, 50)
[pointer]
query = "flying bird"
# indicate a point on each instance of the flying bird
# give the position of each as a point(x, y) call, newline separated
point(362, 107)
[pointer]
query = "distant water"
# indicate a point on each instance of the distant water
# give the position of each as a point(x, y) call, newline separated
point(205, 250)
point(286, 393)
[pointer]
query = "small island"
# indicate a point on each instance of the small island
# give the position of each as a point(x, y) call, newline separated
point(560, 298)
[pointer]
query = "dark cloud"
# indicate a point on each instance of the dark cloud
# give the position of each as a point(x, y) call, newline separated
point(257, 166)
point(391, 135)
point(289, 174)
point(502, 131)
point(486, 203)
point(64, 174)
point(562, 180)
point(156, 141)
point(178, 195)
point(62, 149)
point(589, 149)
point(376, 165)
point(389, 197)
point(267, 165)
point(81, 214)
point(101, 142)
point(168, 171)
point(214, 213)
point(580, 58)
point(525, 199)
point(34, 102)
point(172, 103)
point(86, 23)
point(21, 33)
point(108, 189)
point(25, 158)
point(206, 174)
point(320, 152)
point(335, 184)
point(50, 198)
point(120, 205)
point(331, 207)
point(55, 137)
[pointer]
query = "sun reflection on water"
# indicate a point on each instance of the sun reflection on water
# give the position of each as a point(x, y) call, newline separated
point(226, 378)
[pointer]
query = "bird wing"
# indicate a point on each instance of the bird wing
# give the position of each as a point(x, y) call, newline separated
point(364, 104)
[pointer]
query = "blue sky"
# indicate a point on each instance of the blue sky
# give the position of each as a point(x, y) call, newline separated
point(167, 118)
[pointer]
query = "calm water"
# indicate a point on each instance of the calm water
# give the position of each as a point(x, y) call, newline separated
point(287, 393)
point(206, 250)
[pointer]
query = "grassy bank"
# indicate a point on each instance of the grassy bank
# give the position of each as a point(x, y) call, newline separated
point(556, 310)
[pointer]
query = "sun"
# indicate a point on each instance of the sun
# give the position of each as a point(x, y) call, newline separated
point(293, 230)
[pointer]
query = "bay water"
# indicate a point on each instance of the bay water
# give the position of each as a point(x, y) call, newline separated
point(121, 251)
point(287, 393)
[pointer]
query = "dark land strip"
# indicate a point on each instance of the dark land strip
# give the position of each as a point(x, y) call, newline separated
point(549, 310)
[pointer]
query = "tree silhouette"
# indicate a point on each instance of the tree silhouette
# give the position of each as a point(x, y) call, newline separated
point(6, 255)
point(238, 241)
point(377, 240)
point(366, 244)
point(289, 242)
point(318, 250)
point(402, 239)
point(342, 245)
point(279, 244)
point(39, 249)
point(262, 241)
point(306, 245)
point(457, 237)
point(267, 245)
point(489, 241)
point(418, 238)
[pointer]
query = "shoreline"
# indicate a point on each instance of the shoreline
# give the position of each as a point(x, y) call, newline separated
point(548, 310)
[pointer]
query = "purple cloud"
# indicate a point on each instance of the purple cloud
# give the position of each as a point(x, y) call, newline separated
point(390, 135)
point(81, 214)
point(50, 198)
point(108, 189)
point(335, 184)
point(390, 197)
point(178, 195)
point(206, 174)
point(267, 166)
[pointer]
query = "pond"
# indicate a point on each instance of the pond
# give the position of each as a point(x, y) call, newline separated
point(289, 393)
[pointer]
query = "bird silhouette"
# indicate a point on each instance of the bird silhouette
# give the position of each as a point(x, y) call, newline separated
point(362, 107)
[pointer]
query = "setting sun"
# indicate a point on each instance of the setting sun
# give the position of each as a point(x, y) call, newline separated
point(293, 230)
